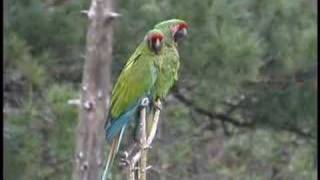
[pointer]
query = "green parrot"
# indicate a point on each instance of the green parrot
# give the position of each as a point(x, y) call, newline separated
point(174, 31)
point(135, 82)
point(151, 71)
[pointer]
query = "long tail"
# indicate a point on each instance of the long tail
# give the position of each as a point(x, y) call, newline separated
point(113, 151)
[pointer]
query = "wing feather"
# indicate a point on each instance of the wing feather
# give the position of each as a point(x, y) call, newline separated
point(134, 82)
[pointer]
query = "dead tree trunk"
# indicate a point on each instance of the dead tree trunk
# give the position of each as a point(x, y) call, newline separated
point(95, 90)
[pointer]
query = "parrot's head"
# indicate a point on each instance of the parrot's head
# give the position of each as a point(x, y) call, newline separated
point(176, 29)
point(155, 39)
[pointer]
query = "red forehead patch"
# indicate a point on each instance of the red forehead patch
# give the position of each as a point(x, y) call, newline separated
point(155, 36)
point(182, 25)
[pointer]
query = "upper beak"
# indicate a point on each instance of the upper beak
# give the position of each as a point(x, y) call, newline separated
point(184, 32)
point(179, 35)
point(157, 45)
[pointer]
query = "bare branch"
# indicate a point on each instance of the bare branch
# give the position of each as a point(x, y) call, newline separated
point(84, 12)
point(75, 102)
point(220, 116)
point(145, 141)
point(111, 15)
point(298, 132)
point(154, 126)
point(225, 118)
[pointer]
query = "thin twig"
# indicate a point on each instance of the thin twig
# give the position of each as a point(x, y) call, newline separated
point(212, 115)
point(130, 173)
point(154, 126)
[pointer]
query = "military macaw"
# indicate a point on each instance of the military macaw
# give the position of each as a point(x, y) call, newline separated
point(135, 82)
point(174, 30)
point(151, 71)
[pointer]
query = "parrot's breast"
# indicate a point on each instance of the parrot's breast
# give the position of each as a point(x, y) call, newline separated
point(167, 71)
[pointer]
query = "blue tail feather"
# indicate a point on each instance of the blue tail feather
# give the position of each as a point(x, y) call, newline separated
point(116, 124)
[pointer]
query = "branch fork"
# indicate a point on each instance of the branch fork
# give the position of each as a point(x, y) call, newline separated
point(135, 159)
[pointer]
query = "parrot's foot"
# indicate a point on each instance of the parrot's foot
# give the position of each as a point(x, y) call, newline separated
point(157, 105)
point(145, 102)
point(123, 154)
point(124, 161)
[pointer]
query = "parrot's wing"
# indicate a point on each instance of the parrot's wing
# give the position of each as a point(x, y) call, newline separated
point(135, 82)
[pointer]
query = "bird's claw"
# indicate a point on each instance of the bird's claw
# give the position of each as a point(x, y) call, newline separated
point(157, 105)
point(124, 154)
point(145, 102)
point(124, 159)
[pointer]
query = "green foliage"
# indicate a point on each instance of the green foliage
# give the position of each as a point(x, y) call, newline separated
point(21, 58)
point(41, 135)
point(56, 34)
point(263, 155)
point(40, 124)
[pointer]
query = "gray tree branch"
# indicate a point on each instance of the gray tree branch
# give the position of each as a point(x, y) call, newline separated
point(139, 153)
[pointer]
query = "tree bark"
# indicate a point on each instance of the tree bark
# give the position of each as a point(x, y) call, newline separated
point(143, 144)
point(96, 85)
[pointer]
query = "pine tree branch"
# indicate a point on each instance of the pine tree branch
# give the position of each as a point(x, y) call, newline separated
point(298, 132)
point(220, 116)
point(224, 118)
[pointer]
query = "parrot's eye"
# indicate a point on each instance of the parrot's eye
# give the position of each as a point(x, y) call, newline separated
point(155, 42)
point(180, 32)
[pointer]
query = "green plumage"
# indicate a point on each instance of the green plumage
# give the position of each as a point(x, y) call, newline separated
point(169, 65)
point(136, 80)
point(151, 71)
point(167, 71)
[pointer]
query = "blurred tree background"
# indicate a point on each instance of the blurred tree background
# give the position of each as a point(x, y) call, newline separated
point(244, 108)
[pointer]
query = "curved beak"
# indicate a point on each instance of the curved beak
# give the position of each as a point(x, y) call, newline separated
point(184, 32)
point(180, 35)
point(157, 46)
